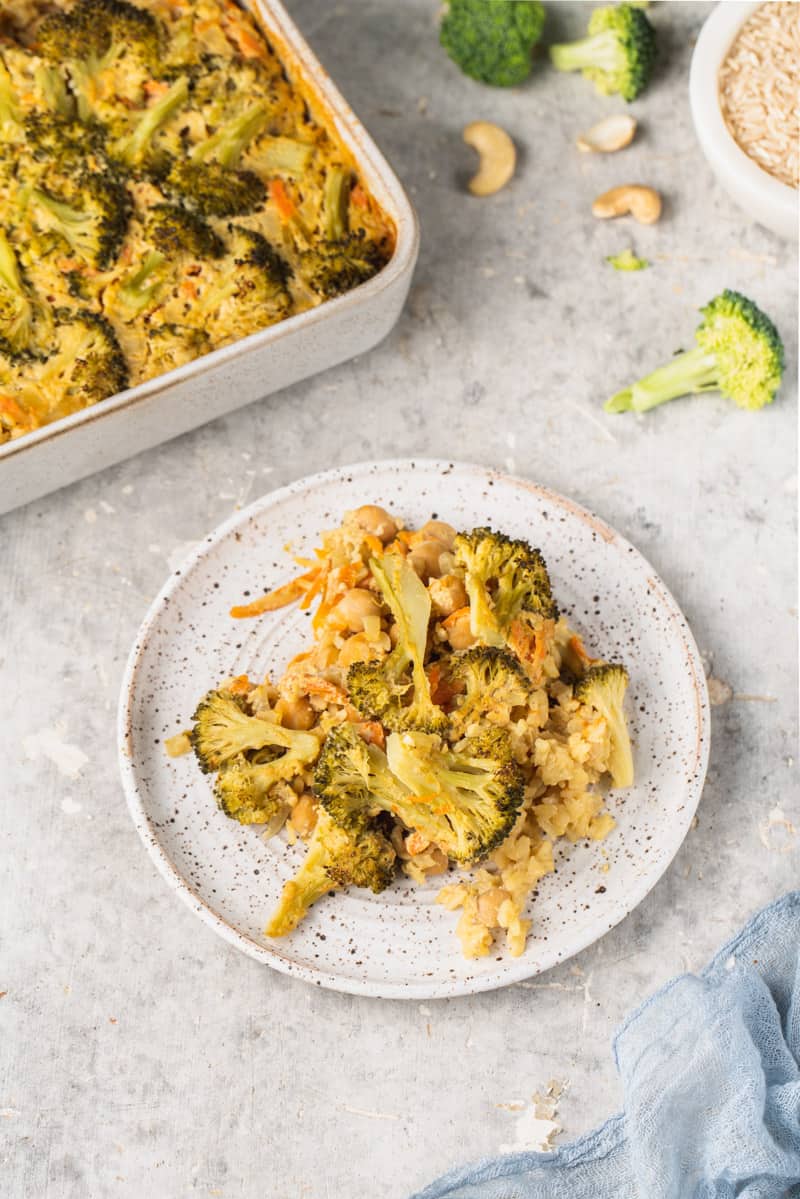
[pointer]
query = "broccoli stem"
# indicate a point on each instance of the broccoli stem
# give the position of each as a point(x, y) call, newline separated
point(600, 52)
point(133, 146)
point(284, 154)
point(143, 286)
point(336, 199)
point(232, 139)
point(687, 374)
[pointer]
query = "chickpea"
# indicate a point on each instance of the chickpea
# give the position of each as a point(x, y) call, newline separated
point(416, 843)
point(459, 633)
point(376, 521)
point(447, 595)
point(438, 530)
point(489, 904)
point(304, 815)
point(424, 558)
point(355, 606)
point(296, 713)
point(357, 649)
point(438, 861)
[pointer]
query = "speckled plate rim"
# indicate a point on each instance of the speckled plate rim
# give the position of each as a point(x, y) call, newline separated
point(511, 971)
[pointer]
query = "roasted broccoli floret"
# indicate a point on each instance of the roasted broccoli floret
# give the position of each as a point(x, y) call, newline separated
point(99, 36)
point(237, 302)
point(333, 268)
point(176, 231)
point(213, 189)
point(89, 211)
point(739, 353)
point(493, 42)
point(617, 54)
point(170, 346)
point(57, 142)
point(25, 324)
point(227, 145)
point(135, 148)
point(465, 800)
point(335, 859)
point(396, 690)
point(492, 682)
point(503, 577)
point(603, 688)
point(248, 792)
point(223, 730)
point(87, 366)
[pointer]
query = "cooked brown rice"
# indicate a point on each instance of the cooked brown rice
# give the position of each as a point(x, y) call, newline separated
point(758, 89)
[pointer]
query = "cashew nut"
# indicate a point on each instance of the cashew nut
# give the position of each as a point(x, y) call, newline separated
point(612, 133)
point(643, 203)
point(497, 154)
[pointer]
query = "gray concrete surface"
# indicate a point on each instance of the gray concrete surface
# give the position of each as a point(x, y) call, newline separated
point(139, 1054)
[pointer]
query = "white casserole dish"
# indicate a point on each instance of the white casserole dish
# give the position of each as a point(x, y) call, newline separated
point(247, 370)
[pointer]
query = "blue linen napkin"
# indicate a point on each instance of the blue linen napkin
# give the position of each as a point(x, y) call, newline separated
point(711, 1078)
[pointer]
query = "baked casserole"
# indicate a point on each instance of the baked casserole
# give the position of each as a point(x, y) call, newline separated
point(165, 189)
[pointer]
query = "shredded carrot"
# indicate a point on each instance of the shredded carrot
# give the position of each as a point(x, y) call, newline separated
point(279, 598)
point(374, 544)
point(315, 589)
point(281, 199)
point(359, 197)
point(155, 87)
point(442, 689)
point(321, 615)
point(405, 536)
point(246, 41)
point(350, 573)
point(240, 685)
point(372, 732)
point(189, 288)
point(579, 649)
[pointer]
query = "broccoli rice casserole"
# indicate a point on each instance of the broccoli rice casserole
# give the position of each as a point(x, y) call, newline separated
point(445, 722)
point(165, 189)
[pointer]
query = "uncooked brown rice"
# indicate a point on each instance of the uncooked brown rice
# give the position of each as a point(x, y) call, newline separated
point(758, 89)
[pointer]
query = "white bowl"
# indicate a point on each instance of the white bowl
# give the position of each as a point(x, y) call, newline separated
point(764, 198)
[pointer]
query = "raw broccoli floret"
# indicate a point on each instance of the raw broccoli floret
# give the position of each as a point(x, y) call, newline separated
point(97, 36)
point(396, 690)
point(603, 688)
point(503, 577)
point(90, 211)
point(223, 730)
point(493, 42)
point(87, 366)
point(491, 683)
point(332, 268)
point(213, 189)
point(135, 148)
point(465, 800)
point(739, 353)
point(25, 324)
point(335, 859)
point(617, 54)
point(176, 231)
point(227, 145)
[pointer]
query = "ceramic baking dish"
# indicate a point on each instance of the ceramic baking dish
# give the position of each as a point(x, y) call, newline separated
point(246, 370)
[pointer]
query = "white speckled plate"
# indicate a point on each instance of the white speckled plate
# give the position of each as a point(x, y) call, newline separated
point(400, 943)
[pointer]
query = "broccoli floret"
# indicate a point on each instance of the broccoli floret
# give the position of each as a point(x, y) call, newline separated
point(170, 346)
point(603, 688)
point(174, 231)
point(333, 268)
point(739, 353)
point(223, 730)
point(492, 682)
point(135, 148)
point(67, 145)
point(235, 303)
point(335, 203)
point(396, 690)
point(89, 211)
point(227, 145)
point(87, 366)
point(617, 55)
point(503, 577)
point(98, 36)
point(627, 261)
point(25, 324)
point(465, 799)
point(335, 859)
point(493, 42)
point(248, 792)
point(141, 289)
point(214, 190)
